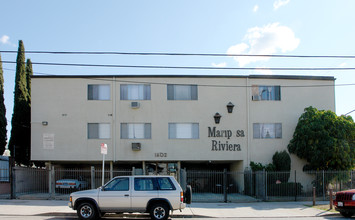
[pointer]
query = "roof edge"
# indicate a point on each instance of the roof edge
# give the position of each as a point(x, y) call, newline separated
point(295, 77)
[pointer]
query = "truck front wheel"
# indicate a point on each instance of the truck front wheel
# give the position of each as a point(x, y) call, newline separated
point(87, 211)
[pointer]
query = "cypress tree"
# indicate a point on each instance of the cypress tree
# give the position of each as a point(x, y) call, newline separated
point(19, 145)
point(3, 121)
point(29, 73)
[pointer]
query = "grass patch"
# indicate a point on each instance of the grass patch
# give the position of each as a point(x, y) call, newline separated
point(323, 207)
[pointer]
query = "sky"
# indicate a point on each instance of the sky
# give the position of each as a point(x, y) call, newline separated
point(274, 27)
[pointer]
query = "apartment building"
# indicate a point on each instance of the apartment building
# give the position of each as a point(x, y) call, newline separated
point(165, 123)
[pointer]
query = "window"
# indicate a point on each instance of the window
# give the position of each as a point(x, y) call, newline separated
point(99, 131)
point(135, 131)
point(182, 92)
point(135, 92)
point(266, 93)
point(145, 184)
point(267, 131)
point(165, 183)
point(183, 131)
point(99, 92)
point(118, 184)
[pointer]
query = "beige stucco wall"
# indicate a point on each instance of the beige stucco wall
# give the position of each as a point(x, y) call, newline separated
point(62, 102)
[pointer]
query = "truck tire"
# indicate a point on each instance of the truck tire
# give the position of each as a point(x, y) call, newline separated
point(159, 211)
point(347, 214)
point(188, 194)
point(87, 211)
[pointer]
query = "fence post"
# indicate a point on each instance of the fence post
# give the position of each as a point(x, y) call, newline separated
point(295, 185)
point(92, 177)
point(225, 184)
point(351, 179)
point(13, 183)
point(314, 196)
point(133, 171)
point(111, 170)
point(323, 187)
point(266, 186)
point(52, 182)
point(252, 183)
point(49, 180)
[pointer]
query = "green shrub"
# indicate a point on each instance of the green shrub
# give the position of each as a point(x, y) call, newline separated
point(285, 189)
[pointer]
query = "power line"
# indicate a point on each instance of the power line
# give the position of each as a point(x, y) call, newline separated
point(201, 85)
point(180, 54)
point(191, 67)
point(350, 112)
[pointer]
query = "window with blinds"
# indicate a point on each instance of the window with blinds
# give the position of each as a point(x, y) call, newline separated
point(136, 131)
point(182, 92)
point(267, 130)
point(99, 92)
point(99, 131)
point(135, 92)
point(183, 131)
point(266, 93)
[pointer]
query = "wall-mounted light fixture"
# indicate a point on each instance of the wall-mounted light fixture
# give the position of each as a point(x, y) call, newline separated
point(230, 107)
point(44, 123)
point(217, 118)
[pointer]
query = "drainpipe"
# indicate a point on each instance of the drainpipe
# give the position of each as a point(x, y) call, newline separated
point(114, 119)
point(248, 121)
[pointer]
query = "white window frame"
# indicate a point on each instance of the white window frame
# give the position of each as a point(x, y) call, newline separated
point(267, 130)
point(182, 92)
point(135, 92)
point(266, 93)
point(99, 92)
point(103, 130)
point(184, 131)
point(136, 131)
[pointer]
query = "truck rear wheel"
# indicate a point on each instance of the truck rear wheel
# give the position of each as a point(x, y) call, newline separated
point(159, 211)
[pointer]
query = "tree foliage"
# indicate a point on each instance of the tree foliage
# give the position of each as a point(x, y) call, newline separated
point(20, 140)
point(29, 73)
point(3, 121)
point(282, 161)
point(326, 141)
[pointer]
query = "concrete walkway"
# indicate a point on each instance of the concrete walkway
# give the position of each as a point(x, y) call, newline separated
point(207, 210)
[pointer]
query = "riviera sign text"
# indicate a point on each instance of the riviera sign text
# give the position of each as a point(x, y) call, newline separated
point(224, 146)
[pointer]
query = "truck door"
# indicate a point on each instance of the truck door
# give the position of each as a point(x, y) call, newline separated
point(115, 196)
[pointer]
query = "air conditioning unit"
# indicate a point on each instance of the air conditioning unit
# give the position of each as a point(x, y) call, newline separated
point(135, 104)
point(136, 146)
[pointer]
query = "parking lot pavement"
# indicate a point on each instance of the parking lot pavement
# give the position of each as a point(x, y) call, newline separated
point(208, 210)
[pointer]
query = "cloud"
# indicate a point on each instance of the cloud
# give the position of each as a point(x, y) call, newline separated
point(224, 64)
point(256, 8)
point(342, 64)
point(265, 40)
point(5, 39)
point(279, 3)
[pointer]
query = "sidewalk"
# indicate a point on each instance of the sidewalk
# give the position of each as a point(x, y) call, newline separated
point(208, 210)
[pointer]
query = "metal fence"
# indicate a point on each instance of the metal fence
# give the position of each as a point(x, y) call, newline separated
point(29, 183)
point(248, 186)
point(207, 186)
